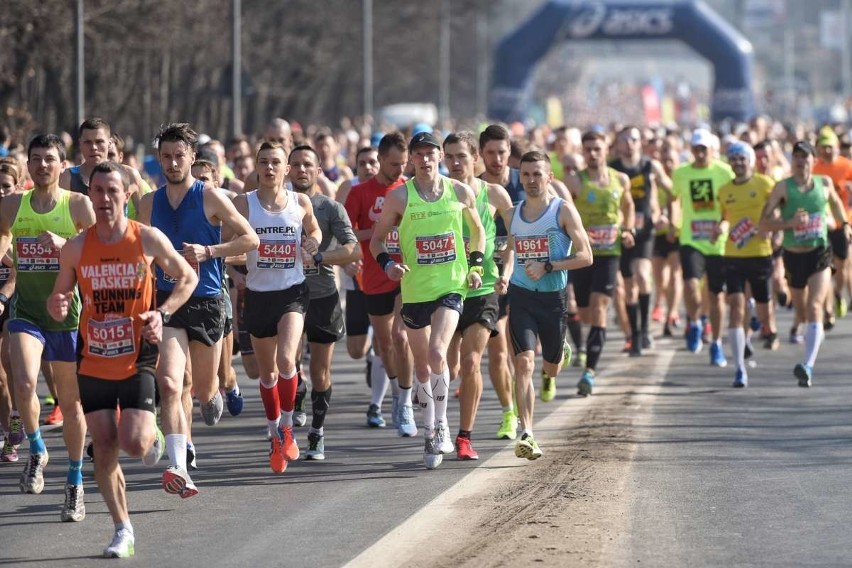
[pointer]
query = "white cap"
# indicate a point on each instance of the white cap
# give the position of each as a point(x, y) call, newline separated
point(702, 137)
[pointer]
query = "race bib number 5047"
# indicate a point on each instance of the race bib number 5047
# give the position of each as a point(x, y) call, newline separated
point(437, 249)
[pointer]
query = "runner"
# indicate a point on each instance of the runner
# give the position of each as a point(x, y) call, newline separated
point(696, 189)
point(478, 321)
point(324, 324)
point(10, 418)
point(603, 199)
point(276, 292)
point(333, 167)
point(37, 225)
point(430, 210)
point(364, 205)
point(668, 280)
point(801, 200)
point(748, 252)
point(548, 238)
point(191, 214)
point(119, 332)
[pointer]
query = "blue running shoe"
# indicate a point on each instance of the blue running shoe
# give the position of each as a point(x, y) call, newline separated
point(374, 417)
point(804, 374)
point(234, 400)
point(405, 421)
point(741, 379)
point(693, 338)
point(754, 323)
point(717, 357)
point(587, 382)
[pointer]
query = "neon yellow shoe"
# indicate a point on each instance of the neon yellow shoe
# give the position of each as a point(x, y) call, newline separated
point(840, 307)
point(567, 352)
point(548, 387)
point(508, 427)
point(528, 448)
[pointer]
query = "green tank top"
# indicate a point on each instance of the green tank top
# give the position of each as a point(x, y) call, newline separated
point(815, 232)
point(37, 266)
point(698, 191)
point(432, 248)
point(599, 207)
point(489, 266)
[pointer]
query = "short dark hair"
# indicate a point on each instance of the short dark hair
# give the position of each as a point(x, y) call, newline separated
point(303, 148)
point(108, 168)
point(208, 154)
point(593, 136)
point(392, 140)
point(322, 134)
point(762, 145)
point(47, 141)
point(266, 145)
point(94, 123)
point(364, 150)
point(493, 132)
point(462, 137)
point(535, 156)
point(177, 132)
point(204, 163)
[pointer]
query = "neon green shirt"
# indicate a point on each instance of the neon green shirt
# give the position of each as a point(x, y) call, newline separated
point(698, 192)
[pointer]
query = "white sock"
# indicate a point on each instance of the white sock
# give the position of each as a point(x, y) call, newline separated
point(124, 525)
point(405, 394)
point(272, 426)
point(813, 340)
point(286, 419)
point(379, 380)
point(313, 430)
point(526, 432)
point(236, 389)
point(176, 448)
point(736, 335)
point(509, 408)
point(427, 404)
point(394, 384)
point(440, 392)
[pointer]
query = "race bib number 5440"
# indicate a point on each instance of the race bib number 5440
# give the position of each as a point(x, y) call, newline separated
point(277, 255)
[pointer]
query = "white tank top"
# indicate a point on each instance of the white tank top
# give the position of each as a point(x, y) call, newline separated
point(277, 263)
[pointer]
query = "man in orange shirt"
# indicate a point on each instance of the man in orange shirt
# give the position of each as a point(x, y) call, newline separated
point(830, 163)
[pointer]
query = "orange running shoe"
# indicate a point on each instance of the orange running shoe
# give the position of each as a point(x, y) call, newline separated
point(277, 461)
point(657, 314)
point(55, 417)
point(464, 449)
point(290, 448)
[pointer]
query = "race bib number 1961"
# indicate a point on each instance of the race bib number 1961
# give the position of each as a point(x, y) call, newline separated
point(437, 249)
point(111, 338)
point(34, 257)
point(532, 249)
point(277, 255)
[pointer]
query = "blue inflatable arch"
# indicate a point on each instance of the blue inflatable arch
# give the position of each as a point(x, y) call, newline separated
point(690, 21)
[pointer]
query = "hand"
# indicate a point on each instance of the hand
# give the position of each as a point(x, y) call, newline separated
point(717, 232)
point(152, 331)
point(51, 241)
point(58, 305)
point(474, 280)
point(501, 286)
point(627, 239)
point(310, 245)
point(662, 222)
point(353, 268)
point(800, 218)
point(396, 271)
point(535, 270)
point(195, 253)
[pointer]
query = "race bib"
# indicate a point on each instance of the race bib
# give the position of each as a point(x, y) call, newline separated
point(192, 263)
point(111, 338)
point(534, 248)
point(34, 257)
point(500, 244)
point(742, 232)
point(278, 254)
point(813, 229)
point(392, 242)
point(603, 237)
point(438, 249)
point(5, 272)
point(702, 230)
point(311, 269)
point(640, 221)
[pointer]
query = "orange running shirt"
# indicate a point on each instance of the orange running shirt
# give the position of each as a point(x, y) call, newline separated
point(116, 285)
point(840, 172)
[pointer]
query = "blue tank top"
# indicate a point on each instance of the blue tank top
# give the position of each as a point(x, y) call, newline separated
point(78, 184)
point(189, 224)
point(541, 240)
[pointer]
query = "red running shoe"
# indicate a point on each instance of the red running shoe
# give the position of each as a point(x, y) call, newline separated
point(464, 450)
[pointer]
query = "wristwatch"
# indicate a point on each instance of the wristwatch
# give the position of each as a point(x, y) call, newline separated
point(166, 315)
point(317, 258)
point(548, 267)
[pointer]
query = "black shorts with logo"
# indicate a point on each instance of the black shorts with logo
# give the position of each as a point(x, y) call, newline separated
point(800, 266)
point(418, 315)
point(263, 310)
point(324, 321)
point(137, 392)
point(756, 270)
point(484, 310)
point(538, 316)
point(600, 277)
point(202, 318)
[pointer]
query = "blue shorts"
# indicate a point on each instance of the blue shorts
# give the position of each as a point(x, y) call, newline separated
point(58, 345)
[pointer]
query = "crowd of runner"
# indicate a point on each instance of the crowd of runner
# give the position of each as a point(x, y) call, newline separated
point(429, 252)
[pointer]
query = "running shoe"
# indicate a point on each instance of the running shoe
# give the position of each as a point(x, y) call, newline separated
point(828, 322)
point(316, 447)
point(32, 478)
point(374, 417)
point(16, 431)
point(580, 359)
point(667, 331)
point(586, 383)
point(795, 337)
point(740, 379)
point(693, 338)
point(527, 447)
point(395, 410)
point(48, 400)
point(9, 453)
point(771, 342)
point(657, 314)
point(442, 439)
point(277, 461)
point(432, 458)
point(647, 341)
point(717, 356)
point(211, 411)
point(508, 427)
point(55, 417)
point(405, 421)
point(707, 333)
point(300, 418)
point(155, 452)
point(191, 457)
point(635, 346)
point(748, 350)
point(628, 345)
point(74, 509)
point(754, 323)
point(176, 481)
point(90, 451)
point(567, 353)
point(122, 545)
point(548, 387)
point(464, 449)
point(234, 400)
point(840, 307)
point(804, 373)
point(291, 447)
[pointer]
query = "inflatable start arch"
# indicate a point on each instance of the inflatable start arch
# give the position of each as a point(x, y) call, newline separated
point(690, 21)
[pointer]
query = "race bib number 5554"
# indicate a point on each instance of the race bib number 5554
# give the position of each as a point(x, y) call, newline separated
point(34, 257)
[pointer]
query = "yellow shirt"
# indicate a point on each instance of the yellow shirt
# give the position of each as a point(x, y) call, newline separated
point(742, 205)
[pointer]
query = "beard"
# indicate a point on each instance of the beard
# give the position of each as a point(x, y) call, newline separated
point(176, 178)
